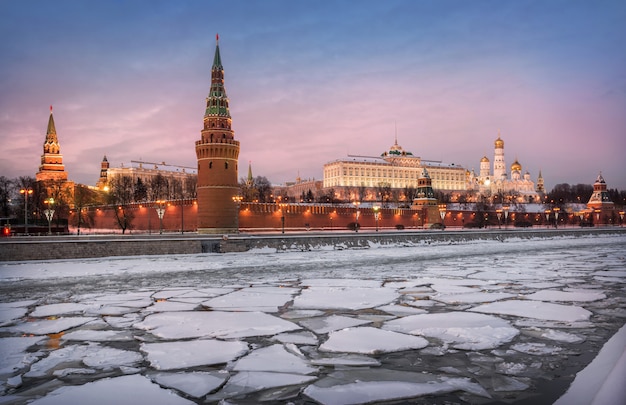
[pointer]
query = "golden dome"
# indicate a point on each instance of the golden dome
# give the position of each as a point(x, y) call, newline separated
point(516, 166)
point(499, 143)
point(484, 160)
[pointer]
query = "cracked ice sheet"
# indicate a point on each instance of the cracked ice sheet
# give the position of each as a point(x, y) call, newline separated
point(462, 330)
point(48, 326)
point(366, 386)
point(471, 298)
point(274, 358)
point(13, 355)
point(368, 340)
point(245, 382)
point(325, 324)
point(175, 355)
point(196, 384)
point(125, 390)
point(65, 308)
point(264, 299)
point(324, 297)
point(226, 325)
point(536, 309)
point(556, 295)
point(92, 355)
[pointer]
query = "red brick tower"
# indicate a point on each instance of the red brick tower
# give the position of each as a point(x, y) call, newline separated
point(51, 168)
point(217, 152)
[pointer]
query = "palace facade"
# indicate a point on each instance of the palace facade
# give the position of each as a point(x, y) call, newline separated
point(394, 169)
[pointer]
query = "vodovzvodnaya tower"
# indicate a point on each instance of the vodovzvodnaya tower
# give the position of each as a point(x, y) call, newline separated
point(217, 152)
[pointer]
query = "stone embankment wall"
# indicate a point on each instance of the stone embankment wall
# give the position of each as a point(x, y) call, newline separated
point(51, 248)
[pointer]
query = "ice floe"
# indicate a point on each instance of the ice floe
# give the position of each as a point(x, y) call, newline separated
point(566, 296)
point(325, 324)
point(48, 326)
point(368, 340)
point(125, 390)
point(217, 324)
point(359, 387)
point(191, 353)
point(195, 384)
point(344, 297)
point(274, 358)
point(461, 330)
point(264, 299)
point(536, 309)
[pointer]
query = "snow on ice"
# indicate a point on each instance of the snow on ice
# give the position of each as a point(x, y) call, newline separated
point(384, 324)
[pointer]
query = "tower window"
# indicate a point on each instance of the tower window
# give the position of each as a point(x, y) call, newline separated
point(210, 165)
point(225, 165)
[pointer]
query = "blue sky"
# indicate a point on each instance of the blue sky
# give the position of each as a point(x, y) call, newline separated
point(310, 82)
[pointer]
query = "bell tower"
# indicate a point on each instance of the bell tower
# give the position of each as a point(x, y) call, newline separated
point(217, 152)
point(51, 167)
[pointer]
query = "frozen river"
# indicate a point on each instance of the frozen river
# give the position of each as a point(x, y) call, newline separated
point(483, 323)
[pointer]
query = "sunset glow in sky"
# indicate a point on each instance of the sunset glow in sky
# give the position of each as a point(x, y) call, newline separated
point(310, 82)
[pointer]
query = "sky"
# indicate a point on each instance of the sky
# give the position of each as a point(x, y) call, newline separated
point(311, 82)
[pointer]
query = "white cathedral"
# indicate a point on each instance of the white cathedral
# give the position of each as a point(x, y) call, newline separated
point(519, 187)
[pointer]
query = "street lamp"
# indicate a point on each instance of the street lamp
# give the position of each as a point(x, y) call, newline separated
point(376, 215)
point(621, 218)
point(237, 200)
point(548, 218)
point(50, 213)
point(598, 216)
point(556, 217)
point(283, 207)
point(356, 216)
point(442, 214)
point(26, 191)
point(160, 212)
point(506, 214)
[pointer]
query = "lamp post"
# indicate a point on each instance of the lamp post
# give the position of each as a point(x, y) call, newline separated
point(331, 221)
point(182, 216)
point(356, 215)
point(26, 191)
point(499, 215)
point(283, 207)
point(160, 212)
point(442, 214)
point(556, 217)
point(621, 218)
point(506, 215)
point(237, 200)
point(49, 212)
point(598, 216)
point(548, 218)
point(376, 215)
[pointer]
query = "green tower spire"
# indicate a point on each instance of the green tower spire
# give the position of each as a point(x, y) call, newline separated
point(217, 101)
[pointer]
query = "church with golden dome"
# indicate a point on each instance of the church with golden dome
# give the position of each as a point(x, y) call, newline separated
point(515, 184)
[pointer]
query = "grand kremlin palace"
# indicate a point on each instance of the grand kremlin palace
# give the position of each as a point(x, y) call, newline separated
point(395, 168)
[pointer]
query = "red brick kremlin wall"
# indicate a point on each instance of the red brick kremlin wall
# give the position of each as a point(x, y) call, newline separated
point(256, 217)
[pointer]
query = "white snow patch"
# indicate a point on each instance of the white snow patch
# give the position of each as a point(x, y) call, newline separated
point(13, 355)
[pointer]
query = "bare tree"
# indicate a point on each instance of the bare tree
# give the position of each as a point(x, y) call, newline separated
point(122, 196)
point(83, 198)
point(7, 188)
